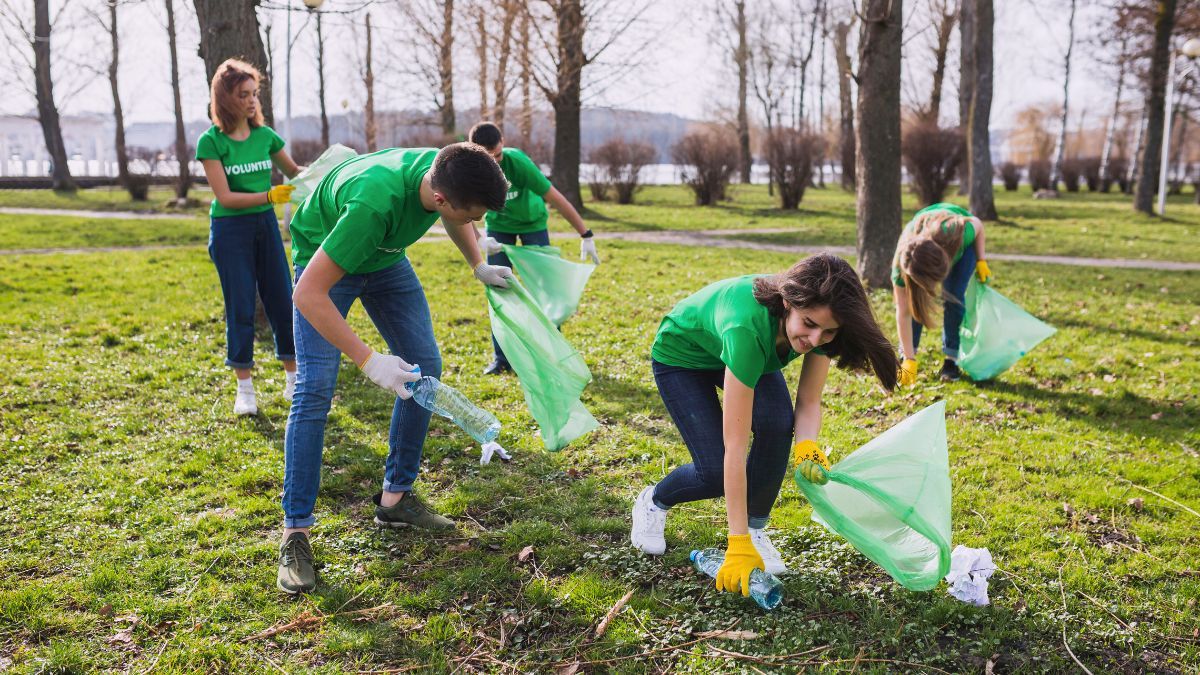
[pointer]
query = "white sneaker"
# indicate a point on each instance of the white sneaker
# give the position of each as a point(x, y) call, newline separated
point(245, 403)
point(772, 561)
point(289, 390)
point(649, 521)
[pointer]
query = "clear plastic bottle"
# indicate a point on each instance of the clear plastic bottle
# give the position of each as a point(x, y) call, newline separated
point(452, 404)
point(766, 589)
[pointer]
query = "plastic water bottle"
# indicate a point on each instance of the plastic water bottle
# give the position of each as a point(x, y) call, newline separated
point(452, 404)
point(766, 589)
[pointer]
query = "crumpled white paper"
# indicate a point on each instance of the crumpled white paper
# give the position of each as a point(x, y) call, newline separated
point(969, 572)
point(493, 448)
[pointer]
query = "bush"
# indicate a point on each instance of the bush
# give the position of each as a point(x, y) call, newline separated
point(1070, 174)
point(708, 159)
point(931, 155)
point(138, 186)
point(1011, 175)
point(1039, 175)
point(791, 156)
point(618, 164)
point(1115, 172)
point(1089, 168)
point(305, 150)
point(537, 148)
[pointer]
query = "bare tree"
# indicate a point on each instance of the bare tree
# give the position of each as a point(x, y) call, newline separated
point(1061, 146)
point(966, 82)
point(432, 54)
point(979, 151)
point(1164, 23)
point(846, 136)
point(500, 85)
point(1110, 130)
point(321, 81)
point(230, 30)
point(525, 124)
point(946, 14)
point(800, 63)
point(184, 183)
point(369, 128)
point(482, 52)
point(741, 58)
point(112, 28)
point(878, 158)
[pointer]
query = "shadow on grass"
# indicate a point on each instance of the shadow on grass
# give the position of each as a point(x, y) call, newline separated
point(1186, 339)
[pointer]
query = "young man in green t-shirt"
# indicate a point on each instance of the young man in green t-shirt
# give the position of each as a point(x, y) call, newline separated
point(524, 215)
point(348, 243)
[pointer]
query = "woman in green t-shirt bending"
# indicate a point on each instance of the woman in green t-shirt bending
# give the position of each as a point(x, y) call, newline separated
point(737, 335)
point(238, 152)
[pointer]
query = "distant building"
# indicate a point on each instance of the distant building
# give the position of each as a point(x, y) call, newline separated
point(88, 139)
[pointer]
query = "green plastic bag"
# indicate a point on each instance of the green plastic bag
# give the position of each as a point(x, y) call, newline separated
point(556, 284)
point(551, 372)
point(307, 180)
point(995, 333)
point(891, 499)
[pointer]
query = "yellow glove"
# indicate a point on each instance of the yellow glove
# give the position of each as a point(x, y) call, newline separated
point(812, 472)
point(741, 558)
point(982, 271)
point(807, 450)
point(279, 194)
point(908, 372)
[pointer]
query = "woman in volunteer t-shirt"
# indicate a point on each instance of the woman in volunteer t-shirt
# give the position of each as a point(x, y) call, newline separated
point(738, 335)
point(938, 250)
point(238, 152)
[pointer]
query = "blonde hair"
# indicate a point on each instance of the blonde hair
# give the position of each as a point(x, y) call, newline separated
point(221, 108)
point(924, 256)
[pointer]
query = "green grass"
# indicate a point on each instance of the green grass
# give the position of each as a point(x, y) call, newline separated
point(44, 231)
point(104, 199)
point(129, 490)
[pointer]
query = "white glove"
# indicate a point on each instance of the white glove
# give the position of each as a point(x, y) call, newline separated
point(493, 275)
point(490, 448)
point(587, 249)
point(490, 246)
point(391, 373)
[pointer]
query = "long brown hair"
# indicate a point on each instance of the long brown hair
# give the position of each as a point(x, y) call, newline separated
point(827, 280)
point(923, 256)
point(221, 108)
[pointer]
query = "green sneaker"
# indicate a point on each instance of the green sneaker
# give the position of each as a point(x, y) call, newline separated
point(410, 511)
point(296, 573)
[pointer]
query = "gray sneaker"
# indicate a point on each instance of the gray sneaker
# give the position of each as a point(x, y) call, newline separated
point(296, 573)
point(410, 511)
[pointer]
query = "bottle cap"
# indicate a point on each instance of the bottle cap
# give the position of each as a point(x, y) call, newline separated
point(692, 556)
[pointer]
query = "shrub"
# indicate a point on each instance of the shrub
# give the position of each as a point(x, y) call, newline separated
point(1071, 171)
point(1039, 175)
point(791, 156)
point(1010, 173)
point(708, 159)
point(1115, 172)
point(1089, 168)
point(931, 155)
point(618, 164)
point(305, 150)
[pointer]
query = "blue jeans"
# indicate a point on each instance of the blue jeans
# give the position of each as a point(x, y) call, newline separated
point(249, 256)
point(396, 304)
point(955, 286)
point(539, 238)
point(691, 399)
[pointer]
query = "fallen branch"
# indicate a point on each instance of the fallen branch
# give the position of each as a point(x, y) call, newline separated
point(612, 613)
point(306, 620)
point(1185, 507)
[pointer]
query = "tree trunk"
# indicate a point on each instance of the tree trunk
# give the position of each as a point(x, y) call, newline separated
point(1160, 58)
point(230, 30)
point(446, 69)
point(181, 145)
point(566, 100)
point(979, 150)
point(1132, 173)
point(1110, 132)
point(369, 83)
point(801, 118)
point(118, 113)
point(321, 83)
point(945, 30)
point(878, 124)
point(481, 50)
point(526, 121)
point(1060, 150)
point(500, 86)
point(846, 141)
point(741, 57)
point(47, 110)
point(821, 94)
point(966, 82)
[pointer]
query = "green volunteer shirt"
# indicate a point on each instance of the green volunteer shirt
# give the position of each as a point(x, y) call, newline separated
point(720, 326)
point(247, 163)
point(366, 212)
point(968, 237)
point(524, 205)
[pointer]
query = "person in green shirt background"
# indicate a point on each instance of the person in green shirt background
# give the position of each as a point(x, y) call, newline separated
point(940, 247)
point(237, 153)
point(349, 242)
point(524, 215)
point(737, 335)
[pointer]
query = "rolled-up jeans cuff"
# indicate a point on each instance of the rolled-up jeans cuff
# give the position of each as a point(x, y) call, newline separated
point(950, 353)
point(292, 523)
point(757, 523)
point(389, 486)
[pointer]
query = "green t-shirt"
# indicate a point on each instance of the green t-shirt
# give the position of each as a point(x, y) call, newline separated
point(247, 163)
point(524, 205)
point(720, 326)
point(968, 235)
point(366, 211)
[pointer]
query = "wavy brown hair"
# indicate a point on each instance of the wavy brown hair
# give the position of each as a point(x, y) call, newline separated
point(221, 108)
point(827, 280)
point(924, 258)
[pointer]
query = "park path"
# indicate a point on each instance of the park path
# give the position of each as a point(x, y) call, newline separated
point(717, 238)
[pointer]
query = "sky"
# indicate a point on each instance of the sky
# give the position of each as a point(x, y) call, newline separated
point(679, 67)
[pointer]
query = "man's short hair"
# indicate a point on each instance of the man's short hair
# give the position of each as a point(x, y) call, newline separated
point(486, 134)
point(468, 176)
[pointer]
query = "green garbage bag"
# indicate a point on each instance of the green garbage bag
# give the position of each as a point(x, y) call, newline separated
point(306, 181)
point(555, 283)
point(891, 499)
point(551, 372)
point(995, 333)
